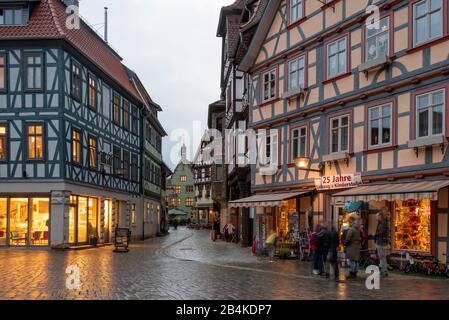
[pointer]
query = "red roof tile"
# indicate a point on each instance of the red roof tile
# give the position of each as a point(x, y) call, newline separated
point(48, 22)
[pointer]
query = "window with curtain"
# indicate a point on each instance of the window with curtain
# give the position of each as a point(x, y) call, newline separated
point(380, 125)
point(296, 71)
point(92, 153)
point(35, 141)
point(116, 111)
point(3, 142)
point(76, 146)
point(430, 113)
point(340, 134)
point(269, 85)
point(2, 72)
point(76, 80)
point(92, 92)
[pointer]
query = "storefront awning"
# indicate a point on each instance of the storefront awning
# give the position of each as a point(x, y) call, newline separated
point(393, 191)
point(265, 200)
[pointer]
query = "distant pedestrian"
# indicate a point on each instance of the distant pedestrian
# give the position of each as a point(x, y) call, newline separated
point(333, 242)
point(353, 246)
point(271, 244)
point(381, 240)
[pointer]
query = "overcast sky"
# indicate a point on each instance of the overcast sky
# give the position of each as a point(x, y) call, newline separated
point(172, 46)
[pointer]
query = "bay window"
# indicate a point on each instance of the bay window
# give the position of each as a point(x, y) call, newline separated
point(430, 111)
point(380, 125)
point(340, 134)
point(427, 21)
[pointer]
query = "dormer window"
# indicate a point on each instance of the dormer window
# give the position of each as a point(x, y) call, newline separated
point(12, 16)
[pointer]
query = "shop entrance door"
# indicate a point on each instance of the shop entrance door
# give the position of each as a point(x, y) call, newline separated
point(3, 221)
point(107, 220)
point(82, 219)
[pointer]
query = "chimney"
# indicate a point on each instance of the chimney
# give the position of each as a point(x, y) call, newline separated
point(71, 3)
point(106, 24)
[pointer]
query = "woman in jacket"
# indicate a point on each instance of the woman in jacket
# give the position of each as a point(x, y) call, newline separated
point(353, 246)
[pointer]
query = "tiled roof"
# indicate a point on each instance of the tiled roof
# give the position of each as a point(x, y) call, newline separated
point(48, 21)
point(259, 11)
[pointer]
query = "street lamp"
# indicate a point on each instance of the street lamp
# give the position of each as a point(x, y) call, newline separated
point(302, 163)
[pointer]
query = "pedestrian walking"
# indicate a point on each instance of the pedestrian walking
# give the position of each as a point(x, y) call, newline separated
point(271, 244)
point(317, 248)
point(333, 242)
point(381, 240)
point(353, 245)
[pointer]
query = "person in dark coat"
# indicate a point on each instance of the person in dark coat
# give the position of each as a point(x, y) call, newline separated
point(381, 240)
point(353, 246)
point(317, 243)
point(333, 242)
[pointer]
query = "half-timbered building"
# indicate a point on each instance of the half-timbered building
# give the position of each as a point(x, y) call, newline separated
point(354, 97)
point(237, 25)
point(70, 130)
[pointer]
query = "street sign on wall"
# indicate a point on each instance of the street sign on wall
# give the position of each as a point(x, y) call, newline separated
point(342, 181)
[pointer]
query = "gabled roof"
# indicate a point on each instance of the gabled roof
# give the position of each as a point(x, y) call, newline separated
point(48, 21)
point(258, 39)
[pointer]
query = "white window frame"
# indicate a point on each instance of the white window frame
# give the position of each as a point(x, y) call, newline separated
point(430, 116)
point(296, 73)
point(427, 17)
point(377, 35)
point(380, 121)
point(340, 129)
point(301, 153)
point(296, 6)
point(337, 54)
point(271, 85)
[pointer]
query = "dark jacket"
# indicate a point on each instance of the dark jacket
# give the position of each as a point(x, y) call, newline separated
point(333, 241)
point(352, 243)
point(381, 236)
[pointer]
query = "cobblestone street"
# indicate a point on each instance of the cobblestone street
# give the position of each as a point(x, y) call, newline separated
point(187, 265)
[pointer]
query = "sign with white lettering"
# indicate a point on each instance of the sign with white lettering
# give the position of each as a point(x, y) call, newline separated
point(342, 181)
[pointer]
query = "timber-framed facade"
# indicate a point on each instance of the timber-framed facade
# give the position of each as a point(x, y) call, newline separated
point(355, 101)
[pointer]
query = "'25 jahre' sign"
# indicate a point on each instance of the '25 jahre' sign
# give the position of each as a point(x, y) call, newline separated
point(342, 181)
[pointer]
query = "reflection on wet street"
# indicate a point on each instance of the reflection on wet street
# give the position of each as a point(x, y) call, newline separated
point(186, 265)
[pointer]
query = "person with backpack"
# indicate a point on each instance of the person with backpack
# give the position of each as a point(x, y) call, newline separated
point(381, 240)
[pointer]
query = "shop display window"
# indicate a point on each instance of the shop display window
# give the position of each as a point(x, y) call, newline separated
point(3, 220)
point(412, 226)
point(18, 221)
point(40, 215)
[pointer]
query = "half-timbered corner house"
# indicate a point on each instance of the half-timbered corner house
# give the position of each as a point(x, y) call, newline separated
point(356, 91)
point(237, 24)
point(70, 131)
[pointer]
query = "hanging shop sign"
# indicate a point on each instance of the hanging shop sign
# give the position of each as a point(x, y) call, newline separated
point(341, 181)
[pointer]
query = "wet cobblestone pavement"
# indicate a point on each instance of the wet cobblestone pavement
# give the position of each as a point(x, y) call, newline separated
point(186, 265)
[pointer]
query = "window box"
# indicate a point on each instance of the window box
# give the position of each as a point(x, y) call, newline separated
point(294, 93)
point(427, 141)
point(337, 156)
point(375, 64)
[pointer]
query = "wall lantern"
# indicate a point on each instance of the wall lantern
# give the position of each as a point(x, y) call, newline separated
point(302, 163)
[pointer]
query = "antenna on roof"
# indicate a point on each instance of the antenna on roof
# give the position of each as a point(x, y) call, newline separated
point(106, 24)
